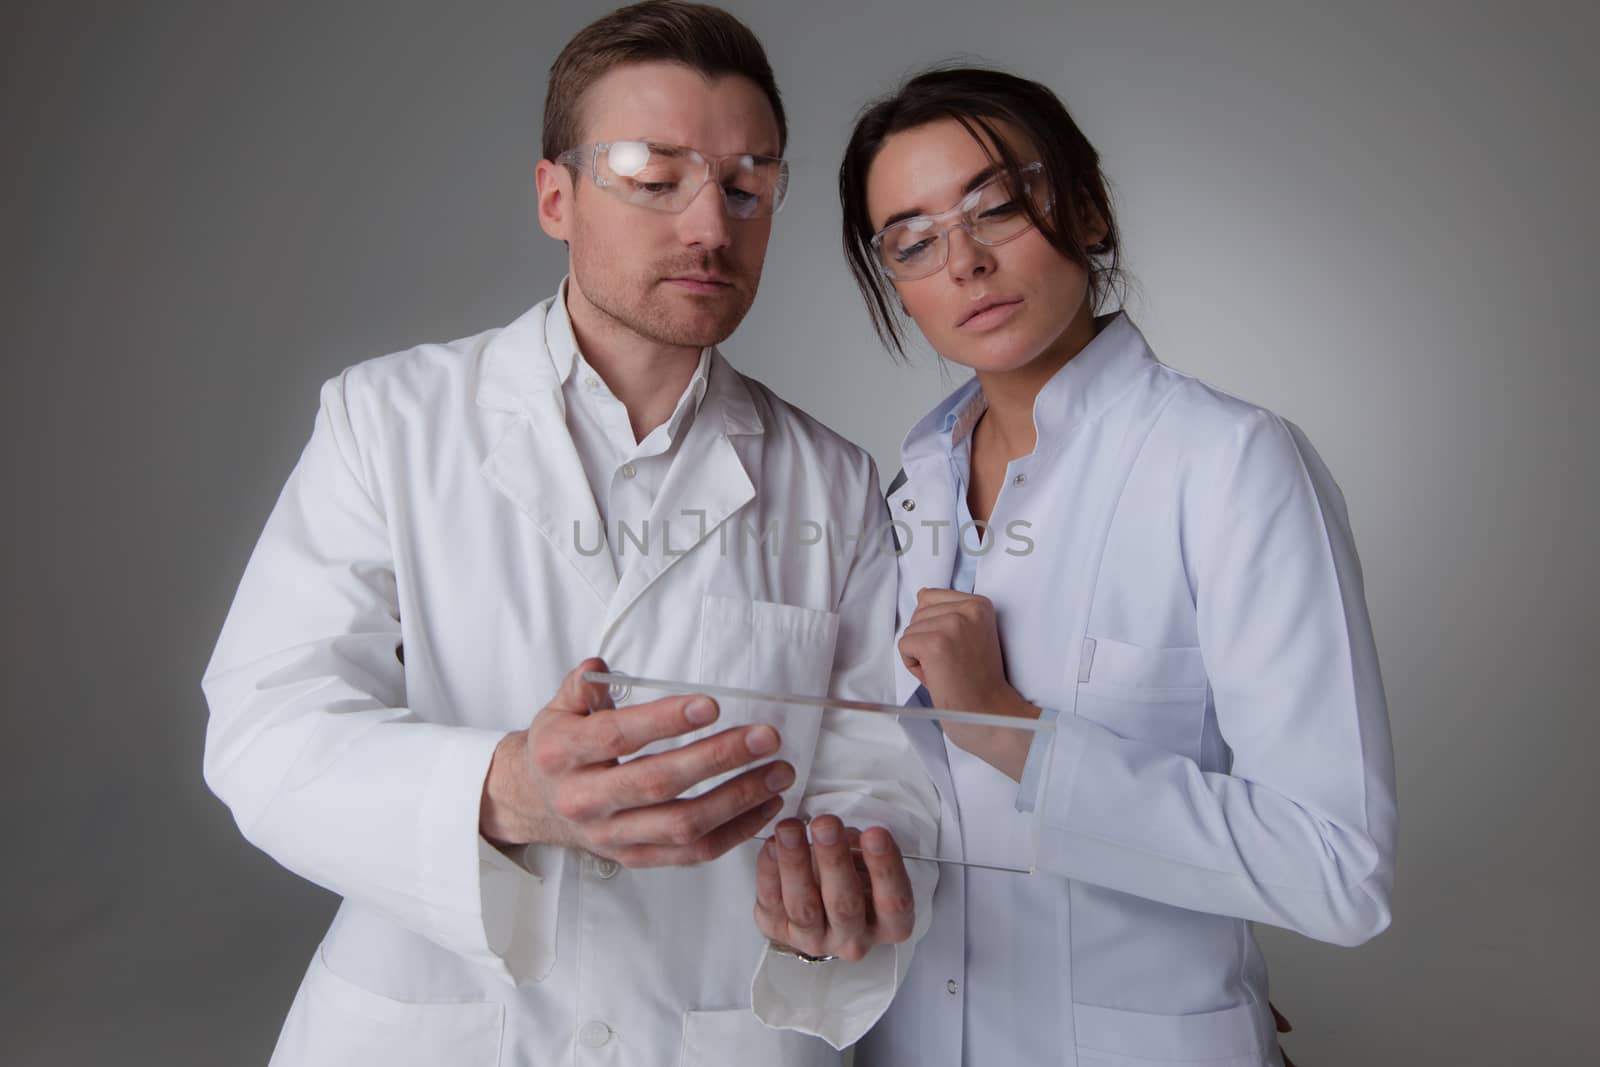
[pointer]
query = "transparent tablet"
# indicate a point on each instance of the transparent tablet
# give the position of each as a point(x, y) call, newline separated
point(1008, 840)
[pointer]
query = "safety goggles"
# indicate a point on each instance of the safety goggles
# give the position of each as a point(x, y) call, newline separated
point(667, 178)
point(991, 214)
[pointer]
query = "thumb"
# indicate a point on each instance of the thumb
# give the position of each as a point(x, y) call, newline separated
point(579, 696)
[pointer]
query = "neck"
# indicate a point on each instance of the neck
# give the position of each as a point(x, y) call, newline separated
point(1010, 394)
point(647, 376)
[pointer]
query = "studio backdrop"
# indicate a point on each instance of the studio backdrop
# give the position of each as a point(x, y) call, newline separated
point(1375, 219)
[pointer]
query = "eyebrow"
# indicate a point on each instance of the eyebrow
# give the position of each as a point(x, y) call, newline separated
point(972, 183)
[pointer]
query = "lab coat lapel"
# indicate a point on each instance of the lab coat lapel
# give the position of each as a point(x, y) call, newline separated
point(534, 463)
point(709, 482)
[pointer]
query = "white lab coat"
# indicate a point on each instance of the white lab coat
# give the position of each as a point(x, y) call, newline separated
point(420, 590)
point(1192, 610)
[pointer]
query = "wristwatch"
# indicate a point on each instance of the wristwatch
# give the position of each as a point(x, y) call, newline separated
point(790, 950)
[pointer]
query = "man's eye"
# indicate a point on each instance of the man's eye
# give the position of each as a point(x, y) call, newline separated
point(655, 188)
point(741, 196)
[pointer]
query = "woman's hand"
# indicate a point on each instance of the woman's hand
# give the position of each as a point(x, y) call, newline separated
point(952, 646)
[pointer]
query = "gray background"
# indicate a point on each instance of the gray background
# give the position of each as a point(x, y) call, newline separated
point(1378, 221)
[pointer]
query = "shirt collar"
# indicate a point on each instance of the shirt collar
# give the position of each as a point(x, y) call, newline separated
point(570, 365)
point(959, 421)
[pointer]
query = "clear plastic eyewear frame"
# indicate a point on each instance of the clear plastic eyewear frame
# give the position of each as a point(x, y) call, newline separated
point(667, 178)
point(990, 214)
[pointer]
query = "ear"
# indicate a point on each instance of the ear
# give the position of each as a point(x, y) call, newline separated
point(554, 183)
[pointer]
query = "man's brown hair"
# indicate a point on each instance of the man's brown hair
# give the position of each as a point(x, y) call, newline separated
point(701, 37)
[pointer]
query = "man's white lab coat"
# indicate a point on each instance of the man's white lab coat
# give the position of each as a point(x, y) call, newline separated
point(430, 573)
point(1174, 578)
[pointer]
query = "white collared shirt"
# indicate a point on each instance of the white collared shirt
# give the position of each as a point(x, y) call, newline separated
point(624, 475)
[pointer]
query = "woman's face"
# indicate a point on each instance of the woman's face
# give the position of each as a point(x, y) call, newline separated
point(993, 309)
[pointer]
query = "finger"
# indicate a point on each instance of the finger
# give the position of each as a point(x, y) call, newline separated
point(619, 732)
point(914, 649)
point(660, 777)
point(947, 627)
point(802, 899)
point(683, 822)
point(771, 919)
point(843, 900)
point(930, 596)
point(893, 906)
point(708, 848)
point(965, 610)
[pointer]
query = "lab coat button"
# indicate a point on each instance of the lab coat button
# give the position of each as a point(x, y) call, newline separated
point(606, 868)
point(908, 504)
point(951, 987)
point(594, 1033)
point(1021, 479)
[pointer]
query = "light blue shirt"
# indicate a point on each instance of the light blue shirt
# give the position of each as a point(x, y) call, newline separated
point(969, 538)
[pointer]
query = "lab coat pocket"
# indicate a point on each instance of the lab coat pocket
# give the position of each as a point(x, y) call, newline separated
point(1157, 695)
point(1111, 1038)
point(336, 1023)
point(758, 644)
point(724, 1038)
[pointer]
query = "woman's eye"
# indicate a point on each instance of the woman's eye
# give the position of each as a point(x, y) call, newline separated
point(1001, 211)
point(910, 252)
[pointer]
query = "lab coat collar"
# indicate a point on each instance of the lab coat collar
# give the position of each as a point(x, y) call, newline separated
point(535, 354)
point(1090, 382)
point(708, 482)
point(536, 465)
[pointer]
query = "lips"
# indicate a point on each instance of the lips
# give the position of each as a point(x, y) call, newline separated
point(984, 304)
point(700, 279)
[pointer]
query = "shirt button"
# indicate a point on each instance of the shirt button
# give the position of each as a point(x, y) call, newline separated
point(594, 1033)
point(952, 987)
point(592, 382)
point(606, 868)
point(1021, 479)
point(628, 470)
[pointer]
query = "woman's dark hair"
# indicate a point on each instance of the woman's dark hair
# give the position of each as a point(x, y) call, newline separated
point(980, 99)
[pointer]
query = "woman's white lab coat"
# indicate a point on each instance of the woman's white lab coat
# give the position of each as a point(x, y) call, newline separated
point(432, 517)
point(1192, 610)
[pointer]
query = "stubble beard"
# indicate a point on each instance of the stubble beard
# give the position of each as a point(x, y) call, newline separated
point(641, 301)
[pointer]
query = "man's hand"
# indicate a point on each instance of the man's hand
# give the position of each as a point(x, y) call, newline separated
point(825, 900)
point(559, 781)
point(952, 646)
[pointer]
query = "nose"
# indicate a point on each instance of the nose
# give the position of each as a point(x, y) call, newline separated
point(704, 222)
point(968, 258)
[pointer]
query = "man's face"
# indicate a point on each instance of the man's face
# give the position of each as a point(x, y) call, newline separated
point(686, 279)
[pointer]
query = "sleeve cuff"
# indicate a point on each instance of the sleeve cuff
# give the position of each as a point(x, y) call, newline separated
point(488, 907)
point(1033, 768)
point(840, 1000)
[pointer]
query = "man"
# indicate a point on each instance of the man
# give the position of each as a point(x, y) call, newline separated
point(471, 523)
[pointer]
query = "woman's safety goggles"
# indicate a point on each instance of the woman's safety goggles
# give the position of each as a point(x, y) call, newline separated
point(991, 214)
point(664, 177)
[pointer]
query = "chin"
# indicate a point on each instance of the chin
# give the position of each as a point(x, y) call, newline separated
point(995, 357)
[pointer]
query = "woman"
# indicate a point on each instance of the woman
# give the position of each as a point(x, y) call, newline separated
point(1164, 569)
